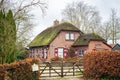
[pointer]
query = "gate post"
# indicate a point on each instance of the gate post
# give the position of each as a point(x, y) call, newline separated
point(61, 68)
point(49, 69)
point(73, 70)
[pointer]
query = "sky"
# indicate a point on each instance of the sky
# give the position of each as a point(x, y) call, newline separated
point(55, 8)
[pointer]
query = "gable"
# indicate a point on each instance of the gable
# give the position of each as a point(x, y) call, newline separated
point(98, 45)
point(61, 41)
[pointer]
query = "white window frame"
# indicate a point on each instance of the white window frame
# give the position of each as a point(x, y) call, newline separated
point(67, 36)
point(45, 51)
point(81, 52)
point(61, 52)
point(72, 36)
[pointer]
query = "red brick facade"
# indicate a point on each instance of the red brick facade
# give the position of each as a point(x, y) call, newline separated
point(61, 42)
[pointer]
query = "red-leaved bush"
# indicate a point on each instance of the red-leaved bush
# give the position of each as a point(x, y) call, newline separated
point(102, 64)
point(19, 70)
point(67, 59)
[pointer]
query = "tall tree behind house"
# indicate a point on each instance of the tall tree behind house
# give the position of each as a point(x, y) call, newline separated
point(110, 30)
point(83, 16)
point(115, 26)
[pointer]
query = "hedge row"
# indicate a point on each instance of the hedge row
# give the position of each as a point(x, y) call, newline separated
point(67, 59)
point(102, 64)
point(19, 70)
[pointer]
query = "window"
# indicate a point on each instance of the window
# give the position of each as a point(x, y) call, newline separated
point(45, 55)
point(69, 36)
point(60, 52)
point(97, 44)
point(32, 50)
point(37, 50)
point(81, 52)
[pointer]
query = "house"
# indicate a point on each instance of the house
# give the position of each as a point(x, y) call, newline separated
point(57, 39)
point(90, 42)
point(116, 47)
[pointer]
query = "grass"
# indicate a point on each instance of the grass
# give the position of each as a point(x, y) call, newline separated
point(78, 73)
point(67, 78)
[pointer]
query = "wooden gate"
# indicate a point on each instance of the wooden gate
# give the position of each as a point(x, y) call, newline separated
point(61, 69)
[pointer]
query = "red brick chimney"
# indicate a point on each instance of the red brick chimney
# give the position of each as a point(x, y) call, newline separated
point(56, 22)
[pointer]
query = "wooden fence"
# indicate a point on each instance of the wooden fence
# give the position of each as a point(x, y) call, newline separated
point(61, 69)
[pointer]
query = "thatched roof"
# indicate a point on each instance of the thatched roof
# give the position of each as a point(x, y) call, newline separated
point(48, 35)
point(84, 39)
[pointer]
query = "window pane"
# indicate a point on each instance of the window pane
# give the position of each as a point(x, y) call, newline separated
point(60, 52)
point(81, 52)
point(72, 36)
point(97, 44)
point(67, 36)
point(45, 55)
point(32, 50)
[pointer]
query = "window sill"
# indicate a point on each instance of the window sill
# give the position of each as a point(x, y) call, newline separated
point(69, 40)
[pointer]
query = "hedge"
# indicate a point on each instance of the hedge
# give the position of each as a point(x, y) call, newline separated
point(67, 59)
point(102, 64)
point(19, 70)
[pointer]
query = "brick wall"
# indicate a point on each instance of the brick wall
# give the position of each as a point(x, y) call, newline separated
point(98, 45)
point(60, 41)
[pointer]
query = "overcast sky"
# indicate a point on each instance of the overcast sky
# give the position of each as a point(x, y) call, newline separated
point(55, 8)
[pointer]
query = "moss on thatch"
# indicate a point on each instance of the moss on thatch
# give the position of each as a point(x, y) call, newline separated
point(84, 39)
point(48, 35)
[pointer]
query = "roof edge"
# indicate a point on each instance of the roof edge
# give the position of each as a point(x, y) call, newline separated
point(38, 46)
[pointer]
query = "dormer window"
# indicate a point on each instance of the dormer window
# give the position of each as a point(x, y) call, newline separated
point(69, 36)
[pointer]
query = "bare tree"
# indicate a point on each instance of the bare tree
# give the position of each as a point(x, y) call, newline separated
point(104, 31)
point(22, 15)
point(114, 22)
point(110, 30)
point(82, 16)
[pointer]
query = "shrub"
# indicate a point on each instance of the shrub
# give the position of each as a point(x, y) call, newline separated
point(19, 70)
point(56, 59)
point(2, 72)
point(102, 64)
point(69, 59)
point(71, 52)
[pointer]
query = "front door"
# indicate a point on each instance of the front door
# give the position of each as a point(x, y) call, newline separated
point(60, 52)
